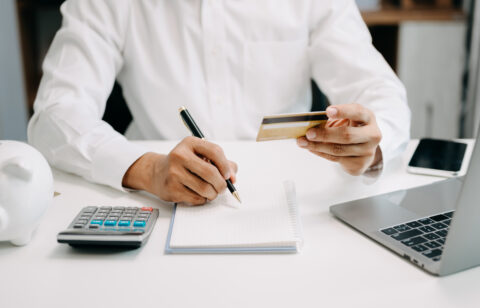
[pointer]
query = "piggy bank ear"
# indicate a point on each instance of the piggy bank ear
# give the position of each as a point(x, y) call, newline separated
point(19, 168)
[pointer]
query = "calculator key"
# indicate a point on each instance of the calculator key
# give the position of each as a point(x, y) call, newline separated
point(109, 229)
point(131, 208)
point(118, 208)
point(447, 222)
point(94, 226)
point(96, 222)
point(147, 209)
point(78, 226)
point(110, 223)
point(106, 208)
point(124, 223)
point(85, 216)
point(124, 229)
point(82, 221)
point(139, 230)
point(441, 241)
point(139, 223)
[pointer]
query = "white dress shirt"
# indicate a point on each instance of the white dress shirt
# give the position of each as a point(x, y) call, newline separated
point(229, 61)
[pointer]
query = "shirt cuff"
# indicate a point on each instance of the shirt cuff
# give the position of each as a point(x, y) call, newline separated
point(373, 173)
point(112, 160)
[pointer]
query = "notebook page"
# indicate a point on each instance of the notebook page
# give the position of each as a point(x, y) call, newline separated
point(267, 217)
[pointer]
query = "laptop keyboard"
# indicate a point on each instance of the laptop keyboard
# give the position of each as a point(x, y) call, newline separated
point(426, 235)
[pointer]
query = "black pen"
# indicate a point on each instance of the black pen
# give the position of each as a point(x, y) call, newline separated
point(195, 130)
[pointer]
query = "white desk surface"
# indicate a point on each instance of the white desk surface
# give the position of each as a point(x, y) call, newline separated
point(337, 267)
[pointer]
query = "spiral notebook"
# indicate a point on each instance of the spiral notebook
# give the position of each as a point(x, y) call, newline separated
point(267, 221)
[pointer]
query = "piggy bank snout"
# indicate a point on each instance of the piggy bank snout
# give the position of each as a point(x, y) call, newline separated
point(19, 168)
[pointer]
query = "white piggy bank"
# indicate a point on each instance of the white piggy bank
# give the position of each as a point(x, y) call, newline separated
point(26, 191)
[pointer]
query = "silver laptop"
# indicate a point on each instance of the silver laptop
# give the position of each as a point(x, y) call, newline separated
point(436, 227)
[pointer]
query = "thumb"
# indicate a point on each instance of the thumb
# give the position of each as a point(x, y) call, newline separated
point(354, 112)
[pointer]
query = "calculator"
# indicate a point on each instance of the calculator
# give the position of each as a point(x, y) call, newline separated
point(110, 226)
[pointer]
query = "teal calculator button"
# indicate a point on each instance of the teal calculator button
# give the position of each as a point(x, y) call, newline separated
point(124, 223)
point(139, 223)
point(110, 222)
point(96, 222)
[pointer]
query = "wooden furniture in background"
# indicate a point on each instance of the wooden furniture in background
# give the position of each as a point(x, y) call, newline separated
point(410, 4)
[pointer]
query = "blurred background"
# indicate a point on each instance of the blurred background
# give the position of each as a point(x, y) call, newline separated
point(433, 45)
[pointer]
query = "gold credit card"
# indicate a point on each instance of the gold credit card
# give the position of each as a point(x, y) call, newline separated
point(288, 126)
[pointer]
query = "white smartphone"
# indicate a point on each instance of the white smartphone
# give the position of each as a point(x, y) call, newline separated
point(438, 157)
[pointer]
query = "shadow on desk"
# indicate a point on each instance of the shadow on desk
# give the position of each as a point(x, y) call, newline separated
point(63, 251)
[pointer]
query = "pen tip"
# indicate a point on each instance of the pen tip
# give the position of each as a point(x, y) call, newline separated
point(181, 109)
point(237, 196)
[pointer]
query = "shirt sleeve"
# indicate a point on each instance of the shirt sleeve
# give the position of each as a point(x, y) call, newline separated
point(348, 69)
point(78, 75)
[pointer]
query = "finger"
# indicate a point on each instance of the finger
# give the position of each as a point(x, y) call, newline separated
point(352, 165)
point(206, 171)
point(342, 134)
point(186, 195)
point(338, 149)
point(199, 186)
point(335, 159)
point(337, 122)
point(233, 167)
point(354, 112)
point(214, 153)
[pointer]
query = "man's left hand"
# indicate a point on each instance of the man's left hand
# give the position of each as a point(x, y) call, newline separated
point(350, 137)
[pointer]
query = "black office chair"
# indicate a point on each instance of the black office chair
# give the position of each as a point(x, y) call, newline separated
point(119, 117)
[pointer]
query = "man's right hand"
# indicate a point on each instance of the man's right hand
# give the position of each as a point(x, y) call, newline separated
point(185, 174)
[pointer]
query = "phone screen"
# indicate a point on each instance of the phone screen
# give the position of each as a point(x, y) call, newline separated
point(438, 154)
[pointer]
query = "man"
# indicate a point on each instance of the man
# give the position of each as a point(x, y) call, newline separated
point(230, 62)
